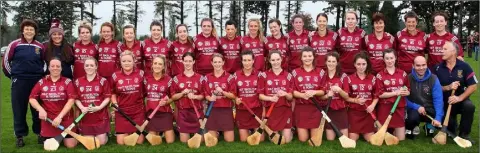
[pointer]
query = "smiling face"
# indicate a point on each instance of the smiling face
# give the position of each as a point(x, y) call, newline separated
point(156, 32)
point(28, 32)
point(274, 28)
point(158, 65)
point(188, 63)
point(217, 63)
point(207, 27)
point(129, 34)
point(182, 33)
point(85, 34)
point(389, 59)
point(298, 24)
point(331, 63)
point(379, 26)
point(322, 23)
point(420, 65)
point(90, 67)
point(276, 61)
point(231, 31)
point(361, 65)
point(247, 61)
point(57, 37)
point(253, 28)
point(439, 23)
point(307, 58)
point(106, 33)
point(411, 24)
point(55, 67)
point(127, 62)
point(351, 20)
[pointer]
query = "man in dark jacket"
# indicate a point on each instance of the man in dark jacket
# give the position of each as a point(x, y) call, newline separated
point(426, 98)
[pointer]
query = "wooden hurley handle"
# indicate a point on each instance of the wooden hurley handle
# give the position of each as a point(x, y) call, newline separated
point(447, 115)
point(327, 118)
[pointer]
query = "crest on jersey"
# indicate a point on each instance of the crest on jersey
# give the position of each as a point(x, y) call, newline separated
point(284, 82)
point(420, 42)
point(292, 41)
point(371, 46)
point(120, 81)
point(460, 73)
point(404, 40)
point(315, 43)
point(305, 40)
point(81, 89)
point(45, 88)
point(148, 87)
point(162, 88)
point(247, 45)
point(37, 51)
point(343, 38)
point(176, 49)
point(369, 87)
point(181, 85)
point(432, 42)
point(270, 45)
point(300, 79)
point(91, 51)
point(239, 83)
point(224, 46)
point(210, 85)
point(196, 85)
point(200, 43)
point(61, 88)
point(77, 50)
point(354, 87)
point(386, 46)
point(329, 43)
point(100, 50)
point(136, 80)
point(149, 49)
point(357, 38)
point(426, 89)
point(386, 82)
point(269, 82)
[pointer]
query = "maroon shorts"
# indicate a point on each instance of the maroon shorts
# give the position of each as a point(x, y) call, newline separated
point(338, 117)
point(398, 117)
point(280, 118)
point(245, 120)
point(187, 121)
point(161, 121)
point(306, 116)
point(48, 130)
point(123, 126)
point(221, 119)
point(101, 128)
point(360, 122)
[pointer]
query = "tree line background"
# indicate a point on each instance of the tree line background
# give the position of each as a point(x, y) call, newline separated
point(463, 15)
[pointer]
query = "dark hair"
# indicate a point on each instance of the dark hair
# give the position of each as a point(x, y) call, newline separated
point(188, 54)
point(338, 68)
point(439, 13)
point(390, 50)
point(156, 23)
point(301, 16)
point(274, 51)
point(377, 16)
point(127, 27)
point(231, 22)
point(55, 58)
point(308, 49)
point(278, 22)
point(247, 52)
point(322, 14)
point(410, 14)
point(188, 38)
point(364, 55)
point(66, 53)
point(28, 23)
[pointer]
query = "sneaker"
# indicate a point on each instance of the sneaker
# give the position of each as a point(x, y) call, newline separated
point(19, 142)
point(429, 130)
point(416, 130)
point(40, 139)
point(409, 134)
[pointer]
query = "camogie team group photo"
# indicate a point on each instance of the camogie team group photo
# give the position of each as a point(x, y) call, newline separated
point(240, 78)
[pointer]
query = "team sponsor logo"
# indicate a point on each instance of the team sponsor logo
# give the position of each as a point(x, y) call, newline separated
point(120, 81)
point(349, 38)
point(181, 85)
point(210, 85)
point(196, 85)
point(81, 89)
point(315, 43)
point(61, 88)
point(386, 82)
point(176, 49)
point(200, 43)
point(284, 82)
point(292, 41)
point(162, 88)
point(357, 38)
point(354, 87)
point(329, 43)
point(45, 88)
point(270, 45)
point(371, 46)
point(432, 42)
point(269, 82)
point(322, 42)
point(420, 42)
point(136, 80)
point(393, 82)
point(247, 45)
point(460, 73)
point(149, 49)
point(224, 46)
point(100, 50)
point(77, 50)
point(369, 87)
point(386, 46)
point(300, 79)
point(255, 82)
point(343, 38)
point(239, 83)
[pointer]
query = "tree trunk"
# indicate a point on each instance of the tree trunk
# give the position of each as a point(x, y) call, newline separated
point(460, 19)
point(93, 5)
point(115, 15)
point(277, 15)
point(452, 18)
point(81, 10)
point(136, 16)
point(265, 18)
point(297, 7)
point(221, 18)
point(244, 18)
point(163, 18)
point(181, 12)
point(360, 18)
point(289, 9)
point(196, 16)
point(210, 13)
point(337, 25)
point(343, 14)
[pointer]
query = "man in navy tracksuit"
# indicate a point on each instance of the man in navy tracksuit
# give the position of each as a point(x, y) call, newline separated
point(23, 63)
point(426, 98)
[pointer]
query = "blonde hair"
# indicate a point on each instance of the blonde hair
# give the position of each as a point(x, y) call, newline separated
point(353, 12)
point(90, 58)
point(164, 63)
point(214, 31)
point(128, 53)
point(260, 29)
point(218, 55)
point(84, 24)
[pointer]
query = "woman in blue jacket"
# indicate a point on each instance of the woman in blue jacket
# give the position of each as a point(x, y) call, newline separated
point(23, 63)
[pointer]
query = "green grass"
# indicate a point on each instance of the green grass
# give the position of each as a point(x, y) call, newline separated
point(421, 144)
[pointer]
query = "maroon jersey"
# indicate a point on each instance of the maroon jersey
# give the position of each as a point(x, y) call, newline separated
point(435, 46)
point(152, 49)
point(129, 91)
point(212, 82)
point(337, 101)
point(204, 49)
point(295, 45)
point(246, 88)
point(194, 83)
point(363, 88)
point(175, 56)
point(281, 45)
point(95, 92)
point(303, 80)
point(349, 45)
point(81, 53)
point(408, 47)
point(257, 47)
point(376, 47)
point(137, 50)
point(54, 96)
point(155, 91)
point(230, 49)
point(108, 58)
point(322, 45)
point(391, 82)
point(269, 83)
